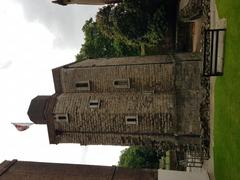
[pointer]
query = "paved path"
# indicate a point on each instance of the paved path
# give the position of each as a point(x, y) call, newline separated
point(215, 23)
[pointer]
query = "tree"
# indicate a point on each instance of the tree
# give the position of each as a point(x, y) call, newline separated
point(139, 157)
point(98, 45)
point(136, 22)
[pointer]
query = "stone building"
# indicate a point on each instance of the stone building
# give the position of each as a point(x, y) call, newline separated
point(23, 170)
point(87, 2)
point(149, 101)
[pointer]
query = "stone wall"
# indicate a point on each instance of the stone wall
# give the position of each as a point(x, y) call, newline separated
point(143, 77)
point(155, 112)
point(165, 142)
point(170, 114)
point(188, 96)
point(164, 95)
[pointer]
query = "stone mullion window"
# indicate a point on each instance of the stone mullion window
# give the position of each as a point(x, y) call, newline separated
point(131, 120)
point(121, 83)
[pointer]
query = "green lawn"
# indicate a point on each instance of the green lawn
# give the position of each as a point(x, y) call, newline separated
point(227, 98)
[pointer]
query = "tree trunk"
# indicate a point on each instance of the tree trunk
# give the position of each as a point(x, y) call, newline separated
point(142, 49)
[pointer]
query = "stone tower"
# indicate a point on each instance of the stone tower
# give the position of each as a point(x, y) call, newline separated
point(124, 101)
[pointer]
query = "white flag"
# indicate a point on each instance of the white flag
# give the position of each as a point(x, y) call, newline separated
point(22, 126)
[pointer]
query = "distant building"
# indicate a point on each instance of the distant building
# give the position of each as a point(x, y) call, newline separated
point(87, 2)
point(150, 101)
point(23, 170)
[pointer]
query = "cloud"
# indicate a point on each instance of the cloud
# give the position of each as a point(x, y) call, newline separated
point(5, 65)
point(65, 22)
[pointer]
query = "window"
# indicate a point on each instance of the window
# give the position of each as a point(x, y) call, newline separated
point(121, 83)
point(61, 117)
point(83, 85)
point(148, 92)
point(131, 120)
point(94, 103)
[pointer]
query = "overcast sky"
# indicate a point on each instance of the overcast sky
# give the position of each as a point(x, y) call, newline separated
point(36, 36)
point(65, 22)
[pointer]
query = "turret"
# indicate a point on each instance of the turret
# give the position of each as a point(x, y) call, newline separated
point(37, 108)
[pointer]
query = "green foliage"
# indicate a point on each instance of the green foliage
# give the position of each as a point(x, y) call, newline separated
point(134, 21)
point(103, 20)
point(128, 28)
point(98, 45)
point(139, 157)
point(157, 27)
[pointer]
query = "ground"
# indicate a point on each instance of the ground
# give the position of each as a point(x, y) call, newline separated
point(227, 98)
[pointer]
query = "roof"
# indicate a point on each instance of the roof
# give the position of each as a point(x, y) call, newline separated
point(122, 61)
point(136, 60)
point(5, 165)
point(22, 170)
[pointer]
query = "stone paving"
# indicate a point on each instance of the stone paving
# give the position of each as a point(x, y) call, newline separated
point(200, 23)
point(215, 23)
point(208, 19)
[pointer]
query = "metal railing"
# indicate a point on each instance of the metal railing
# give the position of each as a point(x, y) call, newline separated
point(213, 52)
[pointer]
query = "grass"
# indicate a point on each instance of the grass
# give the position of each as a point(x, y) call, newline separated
point(227, 98)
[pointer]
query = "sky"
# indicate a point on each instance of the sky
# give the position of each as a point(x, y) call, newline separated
point(36, 36)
